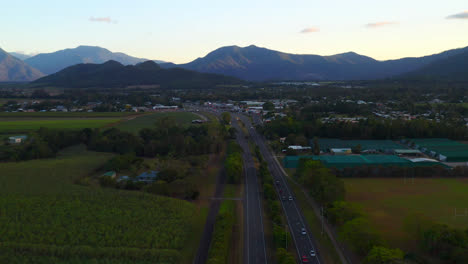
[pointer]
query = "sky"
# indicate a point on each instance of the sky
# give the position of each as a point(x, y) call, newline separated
point(183, 30)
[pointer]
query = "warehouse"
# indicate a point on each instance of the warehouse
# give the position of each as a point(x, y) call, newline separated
point(352, 161)
point(369, 146)
point(443, 149)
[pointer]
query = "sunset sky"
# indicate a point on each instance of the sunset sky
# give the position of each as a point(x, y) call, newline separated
point(182, 30)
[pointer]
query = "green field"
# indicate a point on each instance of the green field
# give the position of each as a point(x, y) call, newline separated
point(46, 218)
point(149, 120)
point(19, 126)
point(66, 114)
point(387, 202)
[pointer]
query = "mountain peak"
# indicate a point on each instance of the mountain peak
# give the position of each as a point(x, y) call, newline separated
point(112, 63)
point(148, 65)
point(13, 69)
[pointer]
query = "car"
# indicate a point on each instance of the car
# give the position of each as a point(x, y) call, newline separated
point(312, 253)
point(303, 231)
point(305, 259)
point(290, 198)
point(277, 182)
point(283, 198)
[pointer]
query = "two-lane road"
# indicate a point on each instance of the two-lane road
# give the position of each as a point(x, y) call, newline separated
point(300, 232)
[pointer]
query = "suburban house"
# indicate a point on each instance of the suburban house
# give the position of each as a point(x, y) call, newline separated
point(17, 139)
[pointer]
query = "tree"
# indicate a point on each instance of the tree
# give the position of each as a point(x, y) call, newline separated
point(316, 146)
point(360, 235)
point(383, 255)
point(357, 149)
point(268, 106)
point(226, 117)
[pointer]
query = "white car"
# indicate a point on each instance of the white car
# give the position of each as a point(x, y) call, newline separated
point(312, 253)
point(290, 198)
point(303, 231)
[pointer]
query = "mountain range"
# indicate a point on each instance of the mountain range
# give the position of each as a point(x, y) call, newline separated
point(253, 63)
point(261, 64)
point(115, 74)
point(49, 63)
point(15, 70)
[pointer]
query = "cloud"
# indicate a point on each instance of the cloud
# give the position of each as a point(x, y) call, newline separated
point(381, 24)
point(102, 19)
point(310, 30)
point(462, 15)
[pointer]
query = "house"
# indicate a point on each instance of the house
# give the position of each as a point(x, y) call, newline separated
point(147, 177)
point(111, 174)
point(17, 139)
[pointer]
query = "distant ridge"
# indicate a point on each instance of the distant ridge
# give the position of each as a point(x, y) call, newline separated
point(49, 63)
point(114, 74)
point(261, 64)
point(13, 69)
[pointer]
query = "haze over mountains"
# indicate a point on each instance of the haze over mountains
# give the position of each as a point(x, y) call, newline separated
point(115, 74)
point(49, 63)
point(14, 70)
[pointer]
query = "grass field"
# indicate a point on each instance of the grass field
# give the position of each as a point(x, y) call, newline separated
point(149, 120)
point(17, 115)
point(48, 219)
point(387, 202)
point(19, 126)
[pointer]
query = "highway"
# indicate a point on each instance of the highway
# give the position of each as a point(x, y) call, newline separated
point(304, 242)
point(254, 237)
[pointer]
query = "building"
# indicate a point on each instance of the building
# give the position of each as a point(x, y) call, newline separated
point(341, 151)
point(299, 148)
point(17, 139)
point(147, 177)
point(111, 174)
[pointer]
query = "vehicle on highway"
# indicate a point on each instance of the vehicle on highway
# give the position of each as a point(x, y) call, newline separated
point(277, 182)
point(283, 198)
point(290, 198)
point(303, 231)
point(305, 259)
point(312, 253)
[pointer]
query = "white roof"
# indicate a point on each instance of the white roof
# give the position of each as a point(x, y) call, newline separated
point(423, 160)
point(340, 149)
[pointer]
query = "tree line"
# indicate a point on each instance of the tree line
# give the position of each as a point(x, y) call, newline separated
point(300, 127)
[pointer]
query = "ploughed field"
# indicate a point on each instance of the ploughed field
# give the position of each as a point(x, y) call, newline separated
point(389, 203)
point(47, 218)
